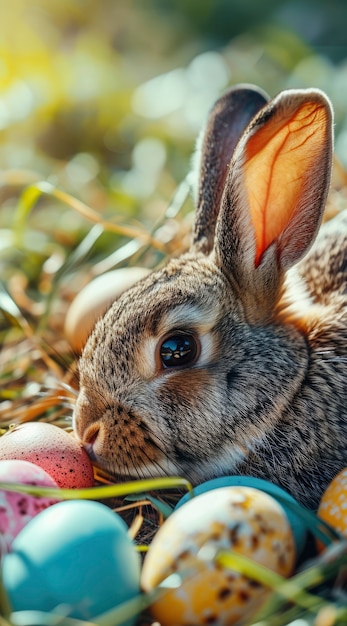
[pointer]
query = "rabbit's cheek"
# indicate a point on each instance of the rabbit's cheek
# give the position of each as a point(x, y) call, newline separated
point(185, 386)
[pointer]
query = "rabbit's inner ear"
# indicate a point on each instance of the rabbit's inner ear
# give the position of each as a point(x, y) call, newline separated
point(226, 123)
point(283, 173)
point(275, 193)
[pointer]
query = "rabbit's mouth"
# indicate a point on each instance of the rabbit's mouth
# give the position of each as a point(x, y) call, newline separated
point(127, 469)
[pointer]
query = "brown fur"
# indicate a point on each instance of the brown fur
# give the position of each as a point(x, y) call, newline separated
point(267, 394)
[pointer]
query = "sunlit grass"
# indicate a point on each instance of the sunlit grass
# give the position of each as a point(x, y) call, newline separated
point(97, 136)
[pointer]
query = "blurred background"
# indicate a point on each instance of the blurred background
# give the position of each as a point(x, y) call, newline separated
point(100, 105)
point(113, 92)
point(104, 98)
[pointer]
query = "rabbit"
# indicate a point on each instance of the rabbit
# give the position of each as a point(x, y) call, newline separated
point(231, 359)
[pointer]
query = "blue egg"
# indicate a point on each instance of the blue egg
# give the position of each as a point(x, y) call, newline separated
point(283, 498)
point(76, 553)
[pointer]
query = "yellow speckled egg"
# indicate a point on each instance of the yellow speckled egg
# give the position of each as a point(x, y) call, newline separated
point(333, 505)
point(243, 519)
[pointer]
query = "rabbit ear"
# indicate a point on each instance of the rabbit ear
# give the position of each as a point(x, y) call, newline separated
point(276, 190)
point(226, 123)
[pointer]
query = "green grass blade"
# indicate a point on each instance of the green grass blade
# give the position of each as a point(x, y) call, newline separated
point(99, 493)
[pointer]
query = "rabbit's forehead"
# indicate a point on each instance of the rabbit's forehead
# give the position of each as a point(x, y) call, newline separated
point(163, 313)
point(157, 309)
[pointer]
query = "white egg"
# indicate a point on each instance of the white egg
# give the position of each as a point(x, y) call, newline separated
point(94, 300)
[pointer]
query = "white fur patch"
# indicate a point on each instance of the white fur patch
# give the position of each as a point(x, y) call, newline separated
point(146, 365)
point(166, 467)
point(227, 462)
point(297, 298)
point(188, 315)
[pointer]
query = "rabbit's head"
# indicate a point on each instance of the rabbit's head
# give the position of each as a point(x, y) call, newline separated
point(195, 370)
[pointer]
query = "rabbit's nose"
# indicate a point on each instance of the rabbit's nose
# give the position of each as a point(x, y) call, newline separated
point(92, 439)
point(91, 434)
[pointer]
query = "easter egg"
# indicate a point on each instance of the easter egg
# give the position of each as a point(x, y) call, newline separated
point(17, 509)
point(242, 519)
point(288, 503)
point(76, 553)
point(53, 449)
point(94, 300)
point(333, 505)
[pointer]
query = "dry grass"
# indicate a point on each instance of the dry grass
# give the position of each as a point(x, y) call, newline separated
point(39, 381)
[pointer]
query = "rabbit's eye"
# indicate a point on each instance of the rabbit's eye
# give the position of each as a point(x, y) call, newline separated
point(178, 350)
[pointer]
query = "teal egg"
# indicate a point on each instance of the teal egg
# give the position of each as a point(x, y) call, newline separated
point(76, 553)
point(288, 503)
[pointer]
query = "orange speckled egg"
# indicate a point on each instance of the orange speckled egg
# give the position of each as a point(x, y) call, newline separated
point(333, 505)
point(242, 519)
point(51, 448)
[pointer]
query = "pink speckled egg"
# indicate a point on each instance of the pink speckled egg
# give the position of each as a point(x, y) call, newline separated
point(53, 449)
point(17, 509)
